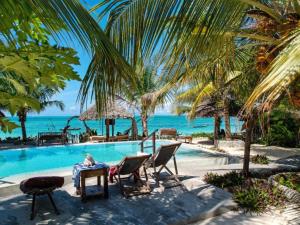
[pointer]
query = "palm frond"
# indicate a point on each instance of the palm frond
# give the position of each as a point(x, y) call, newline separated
point(58, 104)
point(282, 73)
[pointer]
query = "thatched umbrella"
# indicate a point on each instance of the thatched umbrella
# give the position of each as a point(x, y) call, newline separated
point(207, 109)
point(113, 111)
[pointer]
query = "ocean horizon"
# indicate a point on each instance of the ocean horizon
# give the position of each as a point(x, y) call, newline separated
point(36, 124)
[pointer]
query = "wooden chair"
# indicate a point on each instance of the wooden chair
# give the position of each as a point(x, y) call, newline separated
point(130, 166)
point(161, 158)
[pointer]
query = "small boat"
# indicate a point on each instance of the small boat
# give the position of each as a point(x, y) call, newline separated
point(201, 125)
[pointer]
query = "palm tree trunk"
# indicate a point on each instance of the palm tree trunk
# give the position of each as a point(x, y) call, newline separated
point(248, 138)
point(134, 130)
point(216, 129)
point(22, 114)
point(227, 119)
point(145, 124)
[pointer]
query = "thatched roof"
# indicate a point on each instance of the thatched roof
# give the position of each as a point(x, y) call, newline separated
point(208, 107)
point(113, 111)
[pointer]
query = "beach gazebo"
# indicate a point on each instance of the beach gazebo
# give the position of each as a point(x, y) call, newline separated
point(113, 111)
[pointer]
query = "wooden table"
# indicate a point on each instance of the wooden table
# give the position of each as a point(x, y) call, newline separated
point(103, 172)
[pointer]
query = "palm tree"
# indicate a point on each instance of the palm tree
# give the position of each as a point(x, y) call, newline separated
point(61, 19)
point(171, 23)
point(142, 91)
point(144, 98)
point(212, 94)
point(43, 95)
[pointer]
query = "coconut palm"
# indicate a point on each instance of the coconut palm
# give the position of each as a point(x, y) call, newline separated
point(169, 25)
point(144, 98)
point(63, 19)
point(212, 94)
point(43, 95)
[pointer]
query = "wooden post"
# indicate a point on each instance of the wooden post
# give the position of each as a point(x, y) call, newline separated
point(107, 129)
point(153, 143)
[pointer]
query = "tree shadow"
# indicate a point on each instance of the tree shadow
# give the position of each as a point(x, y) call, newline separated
point(173, 205)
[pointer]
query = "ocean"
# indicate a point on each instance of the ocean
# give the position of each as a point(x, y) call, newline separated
point(35, 124)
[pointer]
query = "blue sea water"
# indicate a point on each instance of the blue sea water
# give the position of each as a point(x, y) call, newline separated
point(37, 124)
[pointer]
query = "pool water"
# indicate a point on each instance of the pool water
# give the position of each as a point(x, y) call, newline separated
point(18, 161)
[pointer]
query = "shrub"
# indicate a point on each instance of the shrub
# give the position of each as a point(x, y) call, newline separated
point(281, 136)
point(283, 129)
point(210, 136)
point(258, 196)
point(83, 137)
point(291, 180)
point(230, 179)
point(260, 159)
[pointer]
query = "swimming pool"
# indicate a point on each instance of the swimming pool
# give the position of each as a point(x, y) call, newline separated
point(18, 161)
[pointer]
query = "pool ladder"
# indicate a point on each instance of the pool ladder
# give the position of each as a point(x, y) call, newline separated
point(153, 138)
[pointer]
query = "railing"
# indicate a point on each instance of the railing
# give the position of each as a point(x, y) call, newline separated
point(153, 138)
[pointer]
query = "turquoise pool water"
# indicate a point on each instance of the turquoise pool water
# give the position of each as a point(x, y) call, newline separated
point(13, 162)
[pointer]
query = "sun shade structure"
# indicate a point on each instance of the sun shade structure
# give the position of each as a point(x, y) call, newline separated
point(113, 111)
point(209, 107)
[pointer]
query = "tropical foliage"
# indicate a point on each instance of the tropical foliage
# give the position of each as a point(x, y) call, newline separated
point(196, 44)
point(42, 95)
point(27, 59)
point(192, 35)
point(144, 98)
point(282, 127)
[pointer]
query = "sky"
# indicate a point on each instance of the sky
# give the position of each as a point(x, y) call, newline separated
point(70, 93)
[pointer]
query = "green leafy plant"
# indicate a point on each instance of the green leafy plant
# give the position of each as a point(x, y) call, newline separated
point(258, 196)
point(93, 132)
point(283, 129)
point(280, 135)
point(83, 137)
point(210, 136)
point(260, 159)
point(230, 179)
point(291, 180)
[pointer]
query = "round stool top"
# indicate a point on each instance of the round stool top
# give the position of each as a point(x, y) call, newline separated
point(41, 184)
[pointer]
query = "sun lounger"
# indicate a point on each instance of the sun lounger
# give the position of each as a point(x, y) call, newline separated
point(161, 158)
point(119, 138)
point(129, 167)
point(97, 138)
point(167, 133)
point(171, 133)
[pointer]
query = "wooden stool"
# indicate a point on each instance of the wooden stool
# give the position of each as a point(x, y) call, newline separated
point(41, 186)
